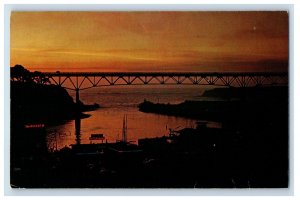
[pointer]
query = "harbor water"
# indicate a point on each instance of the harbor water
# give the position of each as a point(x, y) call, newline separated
point(117, 101)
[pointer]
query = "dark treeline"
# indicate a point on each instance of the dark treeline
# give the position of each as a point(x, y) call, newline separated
point(21, 74)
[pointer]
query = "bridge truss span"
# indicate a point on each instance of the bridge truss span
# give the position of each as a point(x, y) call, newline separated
point(85, 80)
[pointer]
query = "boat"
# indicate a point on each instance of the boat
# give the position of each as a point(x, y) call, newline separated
point(97, 136)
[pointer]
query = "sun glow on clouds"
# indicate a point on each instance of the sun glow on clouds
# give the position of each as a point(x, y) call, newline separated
point(150, 41)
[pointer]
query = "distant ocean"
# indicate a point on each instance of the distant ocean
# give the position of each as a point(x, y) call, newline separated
point(117, 101)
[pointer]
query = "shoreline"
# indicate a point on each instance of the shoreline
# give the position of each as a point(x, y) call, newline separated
point(229, 103)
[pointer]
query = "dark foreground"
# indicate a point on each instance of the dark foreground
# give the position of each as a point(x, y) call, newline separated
point(249, 151)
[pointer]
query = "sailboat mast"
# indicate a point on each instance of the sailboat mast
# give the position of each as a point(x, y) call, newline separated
point(125, 128)
point(124, 131)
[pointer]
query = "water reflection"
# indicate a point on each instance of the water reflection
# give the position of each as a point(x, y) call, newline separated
point(109, 123)
point(77, 130)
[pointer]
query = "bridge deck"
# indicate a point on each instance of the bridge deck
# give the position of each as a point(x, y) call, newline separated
point(165, 73)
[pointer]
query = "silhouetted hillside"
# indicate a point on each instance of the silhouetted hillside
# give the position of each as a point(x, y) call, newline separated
point(249, 94)
point(237, 102)
point(37, 102)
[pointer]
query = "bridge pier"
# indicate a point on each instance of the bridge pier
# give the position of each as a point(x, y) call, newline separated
point(77, 96)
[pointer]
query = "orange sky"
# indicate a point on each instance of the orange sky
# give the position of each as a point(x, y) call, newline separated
point(150, 41)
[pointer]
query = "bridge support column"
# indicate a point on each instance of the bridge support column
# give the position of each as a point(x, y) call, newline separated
point(77, 119)
point(77, 96)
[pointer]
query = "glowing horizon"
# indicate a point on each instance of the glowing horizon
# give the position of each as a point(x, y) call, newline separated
point(150, 41)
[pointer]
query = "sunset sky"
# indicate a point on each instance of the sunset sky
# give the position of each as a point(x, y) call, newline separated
point(150, 41)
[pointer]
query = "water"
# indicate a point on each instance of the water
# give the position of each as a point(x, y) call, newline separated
point(120, 100)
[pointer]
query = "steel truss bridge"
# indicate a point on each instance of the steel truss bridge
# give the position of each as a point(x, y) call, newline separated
point(84, 80)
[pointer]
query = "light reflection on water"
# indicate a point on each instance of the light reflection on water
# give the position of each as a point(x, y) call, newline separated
point(116, 103)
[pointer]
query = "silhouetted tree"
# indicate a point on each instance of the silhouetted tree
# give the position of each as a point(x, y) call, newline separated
point(19, 73)
point(40, 78)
